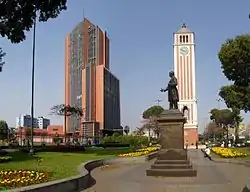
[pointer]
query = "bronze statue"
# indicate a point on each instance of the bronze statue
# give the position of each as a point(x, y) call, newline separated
point(173, 96)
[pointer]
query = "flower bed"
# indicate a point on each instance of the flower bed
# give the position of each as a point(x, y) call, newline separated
point(5, 159)
point(227, 152)
point(139, 152)
point(18, 178)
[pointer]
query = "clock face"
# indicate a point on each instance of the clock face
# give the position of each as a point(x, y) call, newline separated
point(184, 50)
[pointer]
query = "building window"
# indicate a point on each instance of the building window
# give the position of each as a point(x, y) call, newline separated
point(186, 38)
point(180, 39)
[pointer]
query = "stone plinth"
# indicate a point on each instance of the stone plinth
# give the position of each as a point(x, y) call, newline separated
point(171, 125)
point(172, 160)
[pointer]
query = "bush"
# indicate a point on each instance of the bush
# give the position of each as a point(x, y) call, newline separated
point(3, 152)
point(126, 140)
point(60, 148)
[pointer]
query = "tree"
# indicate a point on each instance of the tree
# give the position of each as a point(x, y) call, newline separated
point(4, 130)
point(66, 111)
point(126, 129)
point(223, 118)
point(151, 115)
point(2, 54)
point(213, 131)
point(234, 99)
point(153, 111)
point(17, 17)
point(234, 56)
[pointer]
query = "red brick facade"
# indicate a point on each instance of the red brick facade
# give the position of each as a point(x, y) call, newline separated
point(191, 136)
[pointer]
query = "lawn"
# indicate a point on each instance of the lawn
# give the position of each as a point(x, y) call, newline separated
point(61, 165)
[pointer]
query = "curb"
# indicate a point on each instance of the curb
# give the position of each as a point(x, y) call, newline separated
point(83, 180)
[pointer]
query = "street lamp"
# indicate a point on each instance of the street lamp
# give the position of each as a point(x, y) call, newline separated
point(33, 86)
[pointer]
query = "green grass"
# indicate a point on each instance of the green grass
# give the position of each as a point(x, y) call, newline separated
point(61, 165)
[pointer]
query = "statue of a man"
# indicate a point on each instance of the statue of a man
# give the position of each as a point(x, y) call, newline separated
point(173, 96)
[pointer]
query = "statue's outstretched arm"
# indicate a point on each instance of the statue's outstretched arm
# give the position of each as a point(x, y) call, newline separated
point(164, 90)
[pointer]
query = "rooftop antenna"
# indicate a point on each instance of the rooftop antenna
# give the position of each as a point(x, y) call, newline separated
point(83, 14)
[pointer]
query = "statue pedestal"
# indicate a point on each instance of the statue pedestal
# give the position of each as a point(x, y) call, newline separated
point(172, 160)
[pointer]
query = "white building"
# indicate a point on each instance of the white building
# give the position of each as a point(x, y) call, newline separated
point(25, 121)
point(184, 69)
point(43, 123)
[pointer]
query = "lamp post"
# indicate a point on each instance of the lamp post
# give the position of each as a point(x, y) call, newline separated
point(33, 86)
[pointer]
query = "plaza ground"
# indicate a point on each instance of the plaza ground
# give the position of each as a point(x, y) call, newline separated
point(212, 176)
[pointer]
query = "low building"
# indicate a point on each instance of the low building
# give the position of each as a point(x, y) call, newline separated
point(39, 135)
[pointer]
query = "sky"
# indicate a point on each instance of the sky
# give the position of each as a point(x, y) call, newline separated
point(141, 34)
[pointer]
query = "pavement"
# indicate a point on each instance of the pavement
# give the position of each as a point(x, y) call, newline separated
point(212, 176)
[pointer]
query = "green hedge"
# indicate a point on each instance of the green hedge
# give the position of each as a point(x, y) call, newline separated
point(132, 141)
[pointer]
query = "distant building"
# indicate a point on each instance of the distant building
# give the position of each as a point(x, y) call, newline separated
point(25, 121)
point(43, 123)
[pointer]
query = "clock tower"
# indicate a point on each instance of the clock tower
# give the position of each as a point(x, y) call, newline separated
point(184, 68)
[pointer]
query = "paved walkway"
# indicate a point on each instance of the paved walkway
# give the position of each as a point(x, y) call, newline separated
point(212, 176)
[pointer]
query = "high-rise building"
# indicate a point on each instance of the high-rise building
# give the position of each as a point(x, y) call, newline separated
point(184, 68)
point(89, 84)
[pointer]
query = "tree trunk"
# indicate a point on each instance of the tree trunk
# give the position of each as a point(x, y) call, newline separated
point(236, 133)
point(65, 127)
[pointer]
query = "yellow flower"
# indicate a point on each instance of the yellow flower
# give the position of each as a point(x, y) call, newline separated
point(139, 152)
point(227, 152)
